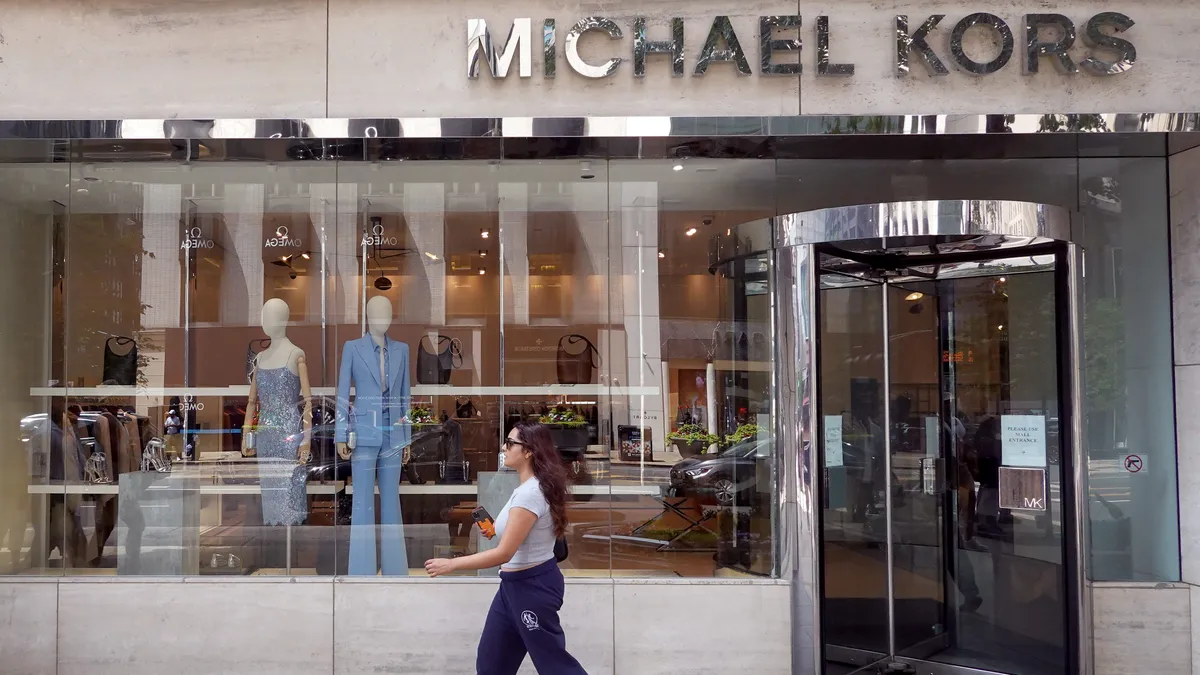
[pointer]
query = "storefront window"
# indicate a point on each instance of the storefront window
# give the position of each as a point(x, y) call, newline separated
point(282, 357)
point(246, 361)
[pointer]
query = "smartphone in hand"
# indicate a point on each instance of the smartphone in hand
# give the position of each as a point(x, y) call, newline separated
point(484, 520)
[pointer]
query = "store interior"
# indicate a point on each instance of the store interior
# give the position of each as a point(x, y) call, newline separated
point(610, 309)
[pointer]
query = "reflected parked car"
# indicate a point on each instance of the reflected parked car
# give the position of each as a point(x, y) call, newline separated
point(728, 477)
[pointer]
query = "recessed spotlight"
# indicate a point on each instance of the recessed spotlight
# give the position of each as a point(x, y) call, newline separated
point(482, 271)
point(1003, 279)
point(1000, 327)
point(914, 296)
point(691, 231)
point(306, 256)
point(662, 254)
point(484, 233)
point(482, 253)
point(430, 255)
point(678, 166)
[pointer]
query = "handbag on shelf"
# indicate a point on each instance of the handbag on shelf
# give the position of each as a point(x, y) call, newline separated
point(465, 409)
point(253, 349)
point(436, 368)
point(579, 368)
point(454, 473)
point(120, 369)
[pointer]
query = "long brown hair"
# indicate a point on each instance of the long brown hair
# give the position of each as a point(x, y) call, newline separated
point(548, 468)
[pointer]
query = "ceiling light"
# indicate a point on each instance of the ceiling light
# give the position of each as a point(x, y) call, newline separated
point(482, 253)
point(484, 233)
point(691, 231)
point(1000, 327)
point(1003, 279)
point(481, 270)
point(662, 254)
point(430, 255)
point(678, 166)
point(914, 296)
point(306, 256)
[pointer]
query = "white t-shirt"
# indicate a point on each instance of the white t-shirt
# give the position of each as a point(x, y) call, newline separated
point(538, 546)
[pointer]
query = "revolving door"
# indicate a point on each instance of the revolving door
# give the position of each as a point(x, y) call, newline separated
point(935, 382)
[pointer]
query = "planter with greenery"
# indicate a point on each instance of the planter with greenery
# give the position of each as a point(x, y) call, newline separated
point(745, 432)
point(691, 439)
point(568, 428)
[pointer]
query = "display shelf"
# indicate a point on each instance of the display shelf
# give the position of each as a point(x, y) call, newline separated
point(417, 390)
point(471, 489)
point(113, 488)
point(334, 488)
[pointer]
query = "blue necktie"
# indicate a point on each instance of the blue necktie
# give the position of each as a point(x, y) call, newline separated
point(386, 370)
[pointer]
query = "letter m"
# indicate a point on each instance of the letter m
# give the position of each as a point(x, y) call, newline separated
point(480, 48)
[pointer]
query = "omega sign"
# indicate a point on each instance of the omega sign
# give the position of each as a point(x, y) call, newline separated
point(1050, 36)
point(281, 238)
point(195, 239)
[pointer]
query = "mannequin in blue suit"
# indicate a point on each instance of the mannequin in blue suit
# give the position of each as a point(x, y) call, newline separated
point(378, 368)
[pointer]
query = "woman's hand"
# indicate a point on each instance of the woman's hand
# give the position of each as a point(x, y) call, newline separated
point(440, 566)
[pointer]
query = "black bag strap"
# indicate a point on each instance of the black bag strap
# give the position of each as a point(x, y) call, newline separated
point(121, 341)
point(456, 353)
point(572, 339)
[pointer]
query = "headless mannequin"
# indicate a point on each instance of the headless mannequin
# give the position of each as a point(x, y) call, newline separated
point(379, 320)
point(282, 353)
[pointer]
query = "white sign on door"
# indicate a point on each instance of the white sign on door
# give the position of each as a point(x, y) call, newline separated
point(1023, 440)
point(833, 441)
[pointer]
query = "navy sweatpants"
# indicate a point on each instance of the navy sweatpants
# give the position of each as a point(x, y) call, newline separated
point(524, 619)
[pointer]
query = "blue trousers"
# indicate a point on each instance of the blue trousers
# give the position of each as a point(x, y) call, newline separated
point(523, 620)
point(365, 463)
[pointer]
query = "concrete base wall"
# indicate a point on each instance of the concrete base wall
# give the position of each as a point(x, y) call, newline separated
point(295, 626)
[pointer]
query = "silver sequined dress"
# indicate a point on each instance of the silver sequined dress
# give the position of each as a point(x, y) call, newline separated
point(281, 475)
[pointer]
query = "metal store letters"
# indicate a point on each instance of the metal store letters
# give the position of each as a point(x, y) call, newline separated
point(1043, 37)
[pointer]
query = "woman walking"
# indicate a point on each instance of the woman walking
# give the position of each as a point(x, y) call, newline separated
point(524, 614)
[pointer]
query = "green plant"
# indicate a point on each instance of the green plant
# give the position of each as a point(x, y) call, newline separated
point(746, 432)
point(562, 416)
point(419, 417)
point(692, 433)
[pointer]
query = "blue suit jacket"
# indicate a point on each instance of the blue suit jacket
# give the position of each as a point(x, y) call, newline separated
point(360, 366)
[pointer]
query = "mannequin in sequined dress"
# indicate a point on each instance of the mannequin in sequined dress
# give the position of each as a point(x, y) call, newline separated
point(280, 398)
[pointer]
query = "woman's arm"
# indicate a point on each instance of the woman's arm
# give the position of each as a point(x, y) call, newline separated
point(520, 523)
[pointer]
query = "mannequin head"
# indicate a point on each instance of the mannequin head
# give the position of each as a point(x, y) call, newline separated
point(379, 316)
point(275, 315)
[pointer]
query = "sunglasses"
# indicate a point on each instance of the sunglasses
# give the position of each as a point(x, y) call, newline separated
point(509, 442)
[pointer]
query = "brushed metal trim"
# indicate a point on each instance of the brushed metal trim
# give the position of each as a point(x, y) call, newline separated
point(630, 126)
point(1079, 459)
point(1023, 220)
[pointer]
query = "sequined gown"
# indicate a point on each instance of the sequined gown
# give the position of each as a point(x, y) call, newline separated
point(281, 476)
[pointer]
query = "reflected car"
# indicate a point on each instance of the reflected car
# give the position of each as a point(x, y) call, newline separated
point(727, 477)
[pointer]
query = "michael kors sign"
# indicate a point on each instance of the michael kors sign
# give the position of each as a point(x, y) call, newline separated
point(1050, 36)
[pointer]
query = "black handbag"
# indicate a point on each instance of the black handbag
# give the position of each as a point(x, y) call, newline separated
point(576, 368)
point(560, 549)
point(436, 368)
point(465, 409)
point(120, 369)
point(253, 349)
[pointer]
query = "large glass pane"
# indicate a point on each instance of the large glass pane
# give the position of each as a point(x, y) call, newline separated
point(1003, 453)
point(561, 354)
point(1128, 379)
point(194, 314)
point(850, 404)
point(693, 463)
point(40, 527)
point(417, 265)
